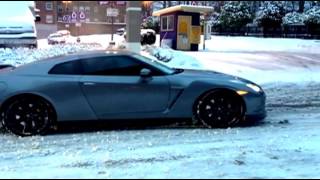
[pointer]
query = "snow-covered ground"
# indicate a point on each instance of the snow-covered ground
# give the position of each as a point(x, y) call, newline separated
point(262, 60)
point(253, 44)
point(284, 145)
point(102, 40)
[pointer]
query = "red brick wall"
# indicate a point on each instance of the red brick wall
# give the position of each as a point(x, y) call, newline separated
point(44, 12)
point(96, 15)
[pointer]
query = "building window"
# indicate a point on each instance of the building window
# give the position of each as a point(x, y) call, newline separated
point(121, 3)
point(60, 9)
point(87, 9)
point(49, 19)
point(167, 23)
point(95, 9)
point(49, 6)
point(75, 8)
point(81, 8)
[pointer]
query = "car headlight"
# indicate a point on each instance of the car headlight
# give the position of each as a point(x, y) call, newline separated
point(254, 87)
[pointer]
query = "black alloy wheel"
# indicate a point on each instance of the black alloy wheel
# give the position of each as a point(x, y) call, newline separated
point(28, 116)
point(219, 109)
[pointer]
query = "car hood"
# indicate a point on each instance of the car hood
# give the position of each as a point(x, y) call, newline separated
point(212, 75)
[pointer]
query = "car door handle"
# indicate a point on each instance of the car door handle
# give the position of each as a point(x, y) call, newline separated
point(89, 83)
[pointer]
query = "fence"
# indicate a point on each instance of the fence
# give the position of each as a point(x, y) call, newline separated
point(296, 31)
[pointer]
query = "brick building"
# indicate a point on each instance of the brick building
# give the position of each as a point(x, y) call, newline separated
point(48, 14)
point(81, 17)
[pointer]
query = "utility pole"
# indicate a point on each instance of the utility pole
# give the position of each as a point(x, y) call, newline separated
point(112, 19)
point(204, 34)
point(133, 21)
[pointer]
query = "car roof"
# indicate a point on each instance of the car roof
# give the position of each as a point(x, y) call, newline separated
point(44, 65)
point(54, 34)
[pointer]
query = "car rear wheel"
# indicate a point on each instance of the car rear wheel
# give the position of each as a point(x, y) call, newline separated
point(28, 116)
point(219, 109)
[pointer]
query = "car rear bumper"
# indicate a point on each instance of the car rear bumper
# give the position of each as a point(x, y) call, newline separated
point(56, 42)
point(18, 41)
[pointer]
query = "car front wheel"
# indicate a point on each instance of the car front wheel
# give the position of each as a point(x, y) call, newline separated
point(219, 109)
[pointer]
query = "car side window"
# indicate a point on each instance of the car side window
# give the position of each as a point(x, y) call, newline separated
point(96, 65)
point(67, 68)
point(113, 66)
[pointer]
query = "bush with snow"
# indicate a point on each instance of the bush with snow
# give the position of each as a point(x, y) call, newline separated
point(270, 14)
point(148, 36)
point(215, 19)
point(313, 16)
point(235, 14)
point(151, 22)
point(293, 18)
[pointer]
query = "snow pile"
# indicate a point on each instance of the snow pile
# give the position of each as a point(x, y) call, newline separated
point(253, 44)
point(19, 56)
point(294, 18)
point(102, 40)
point(172, 58)
point(261, 67)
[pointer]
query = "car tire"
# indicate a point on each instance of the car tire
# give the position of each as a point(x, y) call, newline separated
point(33, 46)
point(219, 109)
point(150, 38)
point(27, 116)
point(143, 39)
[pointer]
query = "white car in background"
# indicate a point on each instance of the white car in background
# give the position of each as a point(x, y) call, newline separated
point(17, 24)
point(56, 38)
point(59, 37)
point(121, 31)
point(65, 33)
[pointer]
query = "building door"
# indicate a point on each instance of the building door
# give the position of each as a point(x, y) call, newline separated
point(184, 24)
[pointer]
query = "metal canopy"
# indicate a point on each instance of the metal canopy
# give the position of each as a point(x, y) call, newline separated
point(184, 8)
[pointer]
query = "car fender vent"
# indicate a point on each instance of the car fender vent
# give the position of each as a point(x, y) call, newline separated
point(177, 95)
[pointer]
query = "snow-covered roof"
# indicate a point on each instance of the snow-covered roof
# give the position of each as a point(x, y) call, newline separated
point(184, 8)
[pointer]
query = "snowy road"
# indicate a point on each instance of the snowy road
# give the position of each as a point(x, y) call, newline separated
point(285, 145)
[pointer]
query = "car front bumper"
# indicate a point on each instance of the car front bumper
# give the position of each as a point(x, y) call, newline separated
point(255, 107)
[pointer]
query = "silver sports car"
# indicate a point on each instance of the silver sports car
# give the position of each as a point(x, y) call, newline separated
point(114, 85)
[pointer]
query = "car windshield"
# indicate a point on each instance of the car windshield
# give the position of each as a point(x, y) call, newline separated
point(56, 35)
point(155, 63)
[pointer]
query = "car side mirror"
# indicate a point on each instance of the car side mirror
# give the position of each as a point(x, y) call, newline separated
point(37, 18)
point(145, 73)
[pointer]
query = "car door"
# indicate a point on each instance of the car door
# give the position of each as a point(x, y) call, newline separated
point(112, 85)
